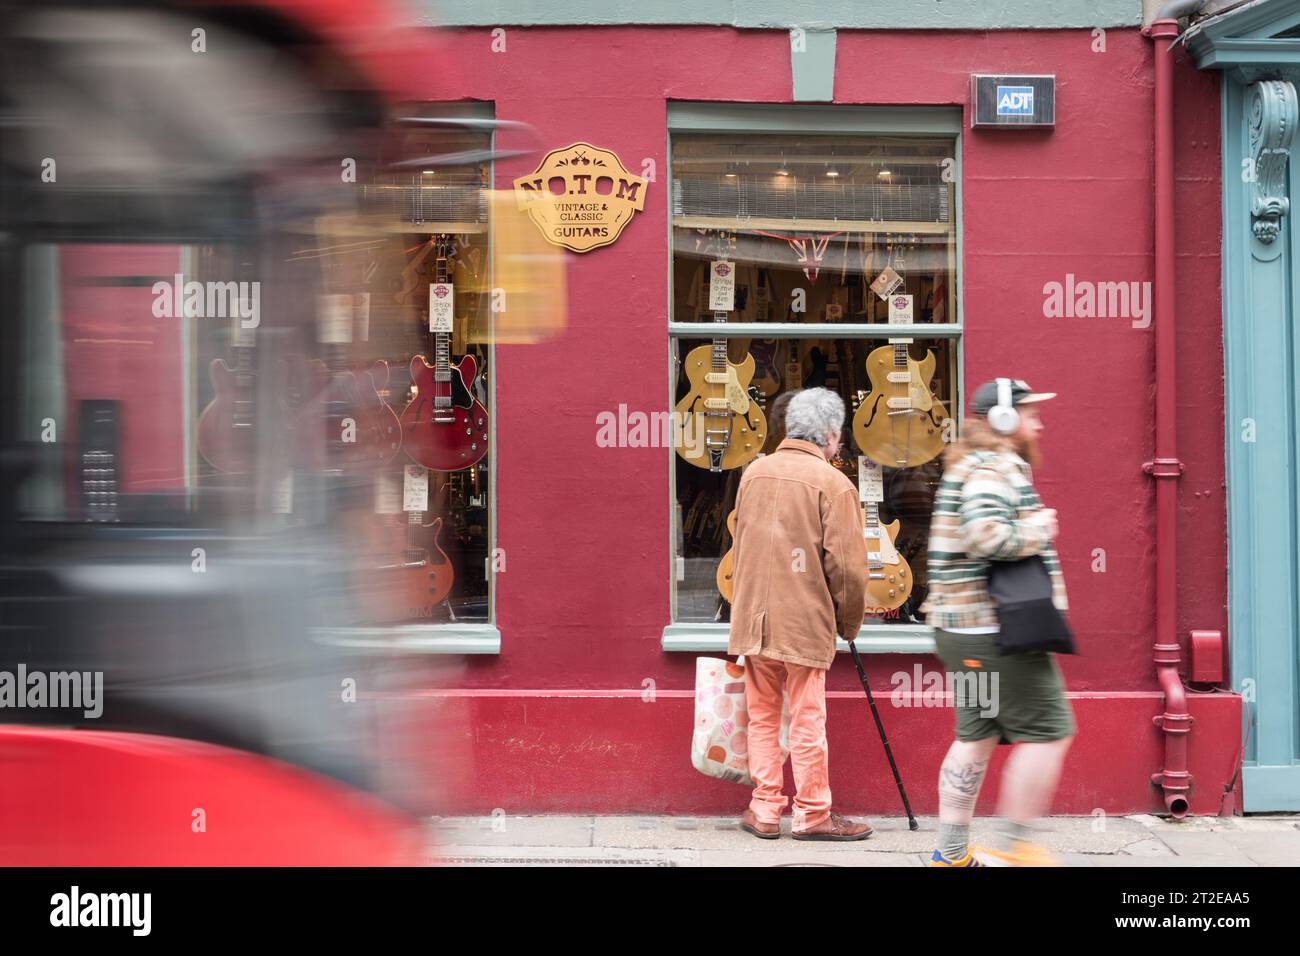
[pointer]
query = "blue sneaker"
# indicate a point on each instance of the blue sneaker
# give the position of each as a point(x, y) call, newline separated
point(968, 860)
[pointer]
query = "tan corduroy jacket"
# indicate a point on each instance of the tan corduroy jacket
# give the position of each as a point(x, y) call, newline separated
point(800, 558)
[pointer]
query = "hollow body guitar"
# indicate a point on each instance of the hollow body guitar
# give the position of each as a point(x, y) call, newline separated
point(900, 423)
point(889, 577)
point(725, 427)
point(359, 429)
point(444, 427)
point(227, 429)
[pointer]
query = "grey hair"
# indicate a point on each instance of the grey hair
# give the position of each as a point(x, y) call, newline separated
point(813, 414)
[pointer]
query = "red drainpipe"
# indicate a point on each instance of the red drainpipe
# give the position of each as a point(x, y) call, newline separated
point(1175, 722)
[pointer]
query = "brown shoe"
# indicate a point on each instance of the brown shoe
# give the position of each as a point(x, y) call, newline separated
point(835, 827)
point(764, 831)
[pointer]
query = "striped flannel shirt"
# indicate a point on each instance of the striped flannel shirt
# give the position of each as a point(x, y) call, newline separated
point(979, 516)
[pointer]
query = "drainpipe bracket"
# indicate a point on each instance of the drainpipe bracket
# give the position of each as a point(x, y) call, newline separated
point(1178, 723)
point(1172, 780)
point(1163, 467)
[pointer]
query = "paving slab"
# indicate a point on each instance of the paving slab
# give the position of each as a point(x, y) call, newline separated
point(1205, 848)
point(1151, 848)
point(505, 830)
point(807, 854)
point(492, 856)
point(1276, 848)
point(579, 840)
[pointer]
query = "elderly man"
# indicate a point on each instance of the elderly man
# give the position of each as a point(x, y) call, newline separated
point(800, 580)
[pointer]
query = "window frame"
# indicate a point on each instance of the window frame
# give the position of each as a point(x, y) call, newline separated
point(783, 119)
point(459, 637)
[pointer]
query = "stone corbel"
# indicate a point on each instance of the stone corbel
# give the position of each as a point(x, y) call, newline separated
point(1271, 116)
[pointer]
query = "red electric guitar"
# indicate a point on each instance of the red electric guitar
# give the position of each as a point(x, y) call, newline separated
point(444, 427)
point(404, 573)
point(340, 419)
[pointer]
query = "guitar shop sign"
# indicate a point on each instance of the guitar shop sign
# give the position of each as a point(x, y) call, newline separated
point(581, 197)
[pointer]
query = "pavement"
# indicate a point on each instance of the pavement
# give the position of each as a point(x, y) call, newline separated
point(1138, 840)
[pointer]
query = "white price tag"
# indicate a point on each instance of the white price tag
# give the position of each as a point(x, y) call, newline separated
point(282, 495)
point(334, 318)
point(722, 286)
point(415, 488)
point(361, 313)
point(887, 283)
point(871, 480)
point(442, 311)
point(388, 498)
point(900, 310)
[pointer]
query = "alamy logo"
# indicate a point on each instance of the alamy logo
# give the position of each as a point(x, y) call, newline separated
point(209, 300)
point(1082, 299)
point(944, 689)
point(103, 909)
point(657, 429)
point(59, 690)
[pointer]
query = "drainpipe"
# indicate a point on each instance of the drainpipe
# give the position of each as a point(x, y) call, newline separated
point(1174, 780)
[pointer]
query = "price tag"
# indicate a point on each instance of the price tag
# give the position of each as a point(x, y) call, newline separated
point(282, 495)
point(388, 499)
point(900, 310)
point(887, 283)
point(722, 286)
point(793, 373)
point(834, 312)
point(241, 337)
point(415, 488)
point(441, 306)
point(871, 480)
point(334, 318)
point(361, 314)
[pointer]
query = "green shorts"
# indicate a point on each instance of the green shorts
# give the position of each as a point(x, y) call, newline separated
point(1021, 698)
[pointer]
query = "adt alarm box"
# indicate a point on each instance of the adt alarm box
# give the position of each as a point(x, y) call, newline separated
point(999, 100)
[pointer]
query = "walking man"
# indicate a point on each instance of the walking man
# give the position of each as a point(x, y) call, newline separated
point(800, 580)
point(987, 510)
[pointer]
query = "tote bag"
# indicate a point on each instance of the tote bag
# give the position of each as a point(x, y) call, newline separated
point(720, 743)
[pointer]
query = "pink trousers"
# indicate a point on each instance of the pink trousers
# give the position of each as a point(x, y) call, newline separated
point(806, 687)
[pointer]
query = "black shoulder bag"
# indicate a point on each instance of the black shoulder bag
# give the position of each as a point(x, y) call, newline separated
point(1028, 619)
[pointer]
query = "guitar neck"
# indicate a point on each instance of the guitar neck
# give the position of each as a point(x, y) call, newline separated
point(720, 344)
point(442, 340)
point(242, 410)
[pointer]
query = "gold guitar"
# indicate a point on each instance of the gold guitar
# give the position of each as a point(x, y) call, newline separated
point(726, 576)
point(899, 424)
point(722, 426)
point(889, 577)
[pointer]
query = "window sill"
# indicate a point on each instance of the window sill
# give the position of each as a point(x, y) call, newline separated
point(873, 639)
point(415, 638)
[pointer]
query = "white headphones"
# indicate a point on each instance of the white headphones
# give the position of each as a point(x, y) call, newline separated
point(1003, 417)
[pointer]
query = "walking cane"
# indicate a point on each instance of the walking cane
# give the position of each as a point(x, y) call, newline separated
point(911, 820)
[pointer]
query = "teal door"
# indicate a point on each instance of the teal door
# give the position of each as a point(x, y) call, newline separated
point(1261, 244)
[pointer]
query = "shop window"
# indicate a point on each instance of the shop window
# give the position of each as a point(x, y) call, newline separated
point(292, 383)
point(841, 272)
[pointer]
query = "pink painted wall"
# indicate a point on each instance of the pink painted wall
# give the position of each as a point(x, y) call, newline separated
point(586, 530)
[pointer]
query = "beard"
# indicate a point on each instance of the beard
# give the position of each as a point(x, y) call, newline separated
point(1027, 448)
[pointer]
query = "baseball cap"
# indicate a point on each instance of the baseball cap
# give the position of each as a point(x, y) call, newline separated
point(986, 396)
